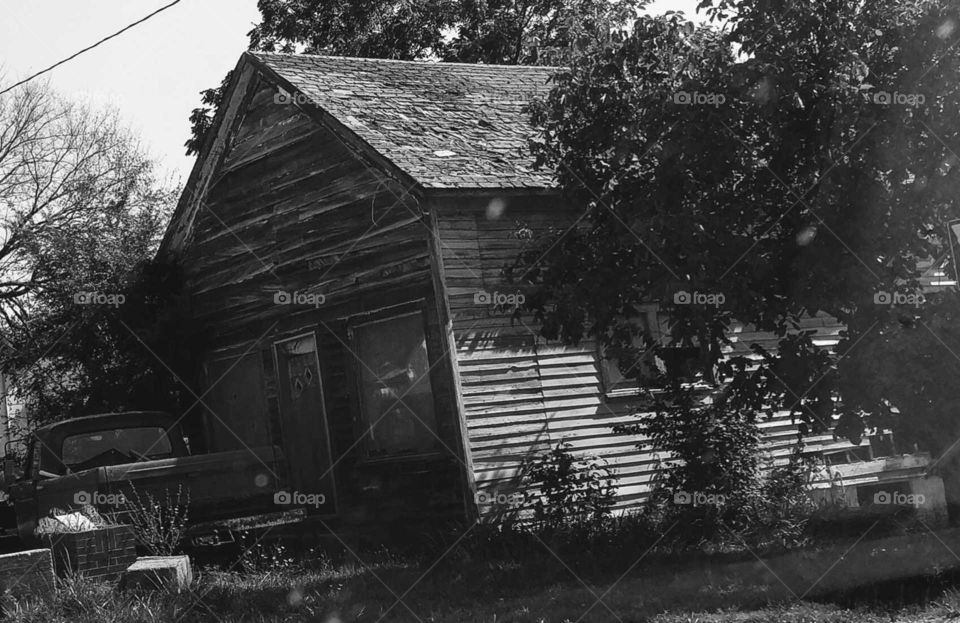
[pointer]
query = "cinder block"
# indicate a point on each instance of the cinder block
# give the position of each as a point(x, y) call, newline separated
point(27, 573)
point(933, 510)
point(158, 572)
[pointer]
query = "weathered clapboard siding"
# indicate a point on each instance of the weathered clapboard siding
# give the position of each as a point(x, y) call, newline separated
point(292, 209)
point(522, 395)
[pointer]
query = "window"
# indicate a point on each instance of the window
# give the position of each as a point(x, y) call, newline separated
point(396, 399)
point(43, 461)
point(114, 447)
point(653, 328)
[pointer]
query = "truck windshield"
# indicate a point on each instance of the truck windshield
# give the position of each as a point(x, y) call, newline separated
point(113, 447)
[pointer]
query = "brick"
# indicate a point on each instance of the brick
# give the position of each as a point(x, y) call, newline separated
point(89, 553)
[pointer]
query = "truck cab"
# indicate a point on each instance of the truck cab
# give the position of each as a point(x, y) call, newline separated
point(102, 460)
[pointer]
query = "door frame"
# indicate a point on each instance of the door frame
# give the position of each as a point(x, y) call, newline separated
point(323, 406)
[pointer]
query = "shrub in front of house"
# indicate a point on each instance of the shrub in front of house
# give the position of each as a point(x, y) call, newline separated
point(569, 490)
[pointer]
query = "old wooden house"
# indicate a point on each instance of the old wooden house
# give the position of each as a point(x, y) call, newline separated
point(343, 234)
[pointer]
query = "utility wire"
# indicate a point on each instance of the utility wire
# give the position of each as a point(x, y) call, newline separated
point(88, 48)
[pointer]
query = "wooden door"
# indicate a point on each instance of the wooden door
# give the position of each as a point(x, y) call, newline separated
point(238, 404)
point(303, 419)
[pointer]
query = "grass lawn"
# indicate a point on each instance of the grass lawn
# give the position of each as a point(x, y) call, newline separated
point(392, 590)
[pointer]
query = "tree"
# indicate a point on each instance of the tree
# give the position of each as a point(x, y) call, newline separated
point(371, 28)
point(109, 330)
point(89, 320)
point(537, 32)
point(800, 160)
point(472, 31)
point(59, 164)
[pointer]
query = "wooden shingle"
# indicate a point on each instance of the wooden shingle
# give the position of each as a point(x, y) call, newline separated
point(447, 125)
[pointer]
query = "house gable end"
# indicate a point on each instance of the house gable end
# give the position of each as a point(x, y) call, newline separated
point(231, 143)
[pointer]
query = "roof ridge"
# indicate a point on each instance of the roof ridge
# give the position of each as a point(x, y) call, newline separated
point(438, 63)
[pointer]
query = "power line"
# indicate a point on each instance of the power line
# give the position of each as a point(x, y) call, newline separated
point(88, 48)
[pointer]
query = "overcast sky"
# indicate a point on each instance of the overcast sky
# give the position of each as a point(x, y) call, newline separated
point(154, 72)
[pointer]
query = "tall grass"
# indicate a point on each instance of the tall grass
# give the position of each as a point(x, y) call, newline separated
point(158, 524)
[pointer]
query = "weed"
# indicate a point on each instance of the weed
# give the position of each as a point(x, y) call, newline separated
point(159, 525)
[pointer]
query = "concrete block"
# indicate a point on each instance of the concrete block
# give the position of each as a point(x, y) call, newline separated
point(27, 573)
point(158, 573)
point(933, 510)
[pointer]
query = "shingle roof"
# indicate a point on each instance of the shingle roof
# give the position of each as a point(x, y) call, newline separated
point(447, 125)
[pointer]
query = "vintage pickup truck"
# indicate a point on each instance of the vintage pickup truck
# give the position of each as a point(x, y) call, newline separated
point(94, 459)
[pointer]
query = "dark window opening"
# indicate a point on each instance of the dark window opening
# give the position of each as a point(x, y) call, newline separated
point(652, 369)
point(396, 398)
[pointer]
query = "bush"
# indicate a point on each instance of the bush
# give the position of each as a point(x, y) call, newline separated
point(567, 514)
point(570, 490)
point(712, 466)
point(711, 483)
point(712, 450)
point(781, 512)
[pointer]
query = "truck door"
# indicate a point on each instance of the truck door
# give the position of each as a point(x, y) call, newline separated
point(46, 487)
point(306, 439)
point(23, 494)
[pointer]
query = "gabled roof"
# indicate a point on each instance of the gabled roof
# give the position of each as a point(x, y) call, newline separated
point(446, 125)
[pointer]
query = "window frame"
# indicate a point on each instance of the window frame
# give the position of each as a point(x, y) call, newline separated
point(613, 390)
point(617, 390)
point(358, 321)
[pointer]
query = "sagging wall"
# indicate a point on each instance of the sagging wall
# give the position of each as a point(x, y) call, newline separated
point(296, 236)
point(522, 395)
